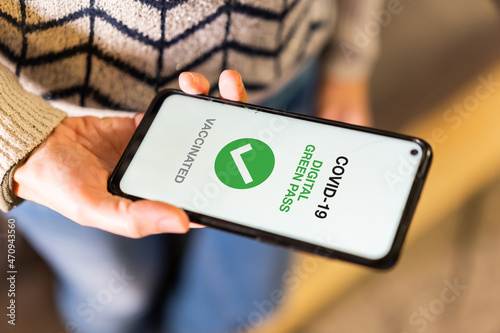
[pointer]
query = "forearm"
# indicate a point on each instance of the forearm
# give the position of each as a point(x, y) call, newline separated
point(25, 121)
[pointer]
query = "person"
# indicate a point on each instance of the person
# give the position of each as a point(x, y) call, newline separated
point(111, 255)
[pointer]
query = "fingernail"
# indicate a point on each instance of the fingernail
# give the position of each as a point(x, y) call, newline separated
point(194, 78)
point(226, 84)
point(188, 79)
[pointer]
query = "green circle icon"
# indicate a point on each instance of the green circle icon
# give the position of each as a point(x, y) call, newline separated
point(244, 163)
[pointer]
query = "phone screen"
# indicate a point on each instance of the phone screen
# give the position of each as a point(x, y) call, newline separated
point(340, 188)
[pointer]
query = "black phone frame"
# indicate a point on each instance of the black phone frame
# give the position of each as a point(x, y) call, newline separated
point(385, 262)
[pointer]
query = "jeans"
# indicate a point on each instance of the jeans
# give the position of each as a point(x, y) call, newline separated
point(205, 281)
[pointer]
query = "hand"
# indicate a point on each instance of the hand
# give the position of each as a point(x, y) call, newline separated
point(345, 101)
point(69, 171)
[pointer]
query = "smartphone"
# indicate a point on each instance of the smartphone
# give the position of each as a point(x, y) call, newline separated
point(325, 187)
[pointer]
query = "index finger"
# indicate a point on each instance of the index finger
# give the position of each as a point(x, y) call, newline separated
point(231, 86)
point(194, 83)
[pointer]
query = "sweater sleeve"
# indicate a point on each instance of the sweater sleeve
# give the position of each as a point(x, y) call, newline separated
point(25, 121)
point(355, 43)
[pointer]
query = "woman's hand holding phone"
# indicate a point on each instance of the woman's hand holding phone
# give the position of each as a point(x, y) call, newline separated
point(69, 171)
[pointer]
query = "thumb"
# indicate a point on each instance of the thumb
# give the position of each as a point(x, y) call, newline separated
point(137, 119)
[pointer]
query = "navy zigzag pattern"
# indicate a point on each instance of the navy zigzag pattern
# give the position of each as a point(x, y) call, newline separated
point(25, 40)
point(235, 7)
point(154, 81)
point(162, 5)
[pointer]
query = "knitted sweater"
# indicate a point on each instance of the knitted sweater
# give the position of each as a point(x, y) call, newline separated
point(118, 54)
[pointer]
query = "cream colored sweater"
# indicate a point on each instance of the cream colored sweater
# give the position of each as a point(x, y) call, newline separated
point(117, 54)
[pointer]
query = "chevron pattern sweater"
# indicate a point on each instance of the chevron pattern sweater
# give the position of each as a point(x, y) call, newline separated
point(117, 54)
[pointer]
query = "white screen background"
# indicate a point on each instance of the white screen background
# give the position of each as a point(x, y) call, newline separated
point(363, 216)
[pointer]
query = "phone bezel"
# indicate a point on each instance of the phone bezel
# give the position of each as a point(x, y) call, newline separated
point(384, 262)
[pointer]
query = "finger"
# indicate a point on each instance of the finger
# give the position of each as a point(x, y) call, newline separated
point(128, 218)
point(153, 217)
point(193, 225)
point(231, 86)
point(137, 118)
point(194, 83)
